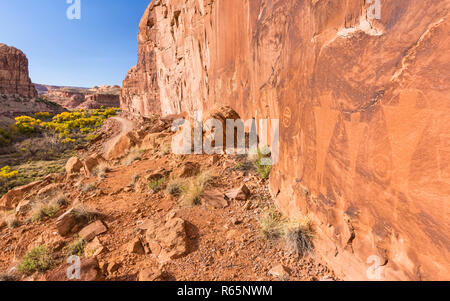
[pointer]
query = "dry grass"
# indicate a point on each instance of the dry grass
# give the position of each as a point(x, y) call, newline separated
point(193, 189)
point(297, 234)
point(135, 154)
point(43, 209)
point(83, 212)
point(101, 170)
point(175, 187)
point(10, 220)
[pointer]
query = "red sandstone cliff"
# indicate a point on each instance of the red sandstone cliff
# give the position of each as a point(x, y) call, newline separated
point(14, 79)
point(363, 106)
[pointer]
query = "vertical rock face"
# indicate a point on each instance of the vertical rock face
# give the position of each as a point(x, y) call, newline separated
point(363, 104)
point(14, 77)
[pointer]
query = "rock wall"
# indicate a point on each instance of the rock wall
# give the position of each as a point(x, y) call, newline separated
point(14, 79)
point(363, 104)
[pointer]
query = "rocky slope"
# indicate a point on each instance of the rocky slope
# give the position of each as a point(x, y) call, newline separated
point(135, 231)
point(362, 104)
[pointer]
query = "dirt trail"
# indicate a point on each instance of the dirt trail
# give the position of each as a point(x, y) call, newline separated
point(126, 127)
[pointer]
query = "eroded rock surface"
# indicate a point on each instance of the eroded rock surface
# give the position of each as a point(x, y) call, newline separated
point(14, 78)
point(362, 104)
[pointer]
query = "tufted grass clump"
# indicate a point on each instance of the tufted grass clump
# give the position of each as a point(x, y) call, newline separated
point(192, 191)
point(298, 235)
point(42, 210)
point(35, 260)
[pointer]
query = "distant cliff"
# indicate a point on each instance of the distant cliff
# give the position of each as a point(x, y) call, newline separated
point(14, 78)
point(363, 107)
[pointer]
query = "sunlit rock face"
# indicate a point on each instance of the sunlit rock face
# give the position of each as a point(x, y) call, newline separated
point(14, 78)
point(363, 104)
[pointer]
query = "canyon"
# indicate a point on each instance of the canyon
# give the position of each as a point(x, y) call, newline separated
point(82, 98)
point(362, 103)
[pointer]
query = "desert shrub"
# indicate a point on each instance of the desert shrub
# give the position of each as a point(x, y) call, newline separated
point(272, 224)
point(47, 147)
point(299, 237)
point(36, 260)
point(42, 210)
point(174, 188)
point(261, 164)
point(75, 248)
point(43, 116)
point(156, 185)
point(297, 234)
point(7, 173)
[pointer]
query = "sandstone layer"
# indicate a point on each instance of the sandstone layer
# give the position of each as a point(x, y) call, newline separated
point(83, 98)
point(363, 105)
point(14, 78)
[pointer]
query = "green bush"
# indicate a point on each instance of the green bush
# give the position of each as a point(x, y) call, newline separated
point(36, 260)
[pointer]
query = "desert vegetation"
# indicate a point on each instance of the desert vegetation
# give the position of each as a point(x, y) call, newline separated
point(35, 146)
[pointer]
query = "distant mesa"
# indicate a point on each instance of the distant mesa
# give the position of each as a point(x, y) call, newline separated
point(18, 95)
point(81, 98)
point(14, 78)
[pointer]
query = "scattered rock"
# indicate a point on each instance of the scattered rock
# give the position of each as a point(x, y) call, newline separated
point(239, 194)
point(91, 163)
point(167, 240)
point(215, 199)
point(94, 248)
point(73, 166)
point(135, 247)
point(150, 274)
point(89, 232)
point(280, 272)
point(189, 169)
point(10, 200)
point(113, 267)
point(70, 222)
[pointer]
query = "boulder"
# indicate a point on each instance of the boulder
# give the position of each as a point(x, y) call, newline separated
point(189, 169)
point(71, 222)
point(167, 240)
point(89, 232)
point(214, 199)
point(123, 145)
point(94, 248)
point(10, 200)
point(73, 166)
point(239, 194)
point(92, 162)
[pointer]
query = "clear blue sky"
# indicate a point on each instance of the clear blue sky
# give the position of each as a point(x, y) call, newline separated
point(98, 49)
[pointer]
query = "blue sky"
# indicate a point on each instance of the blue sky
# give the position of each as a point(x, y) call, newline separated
point(98, 49)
